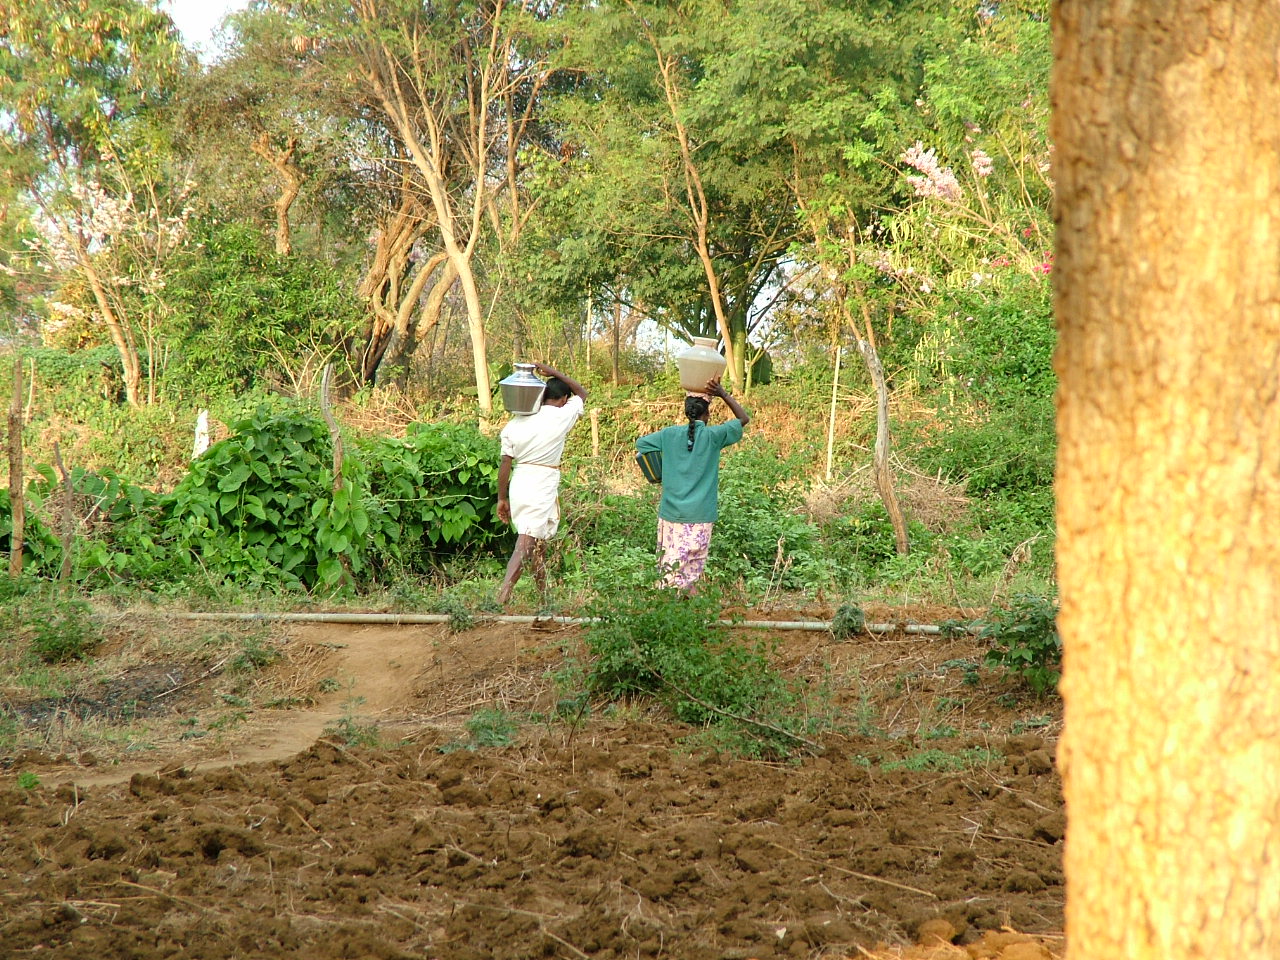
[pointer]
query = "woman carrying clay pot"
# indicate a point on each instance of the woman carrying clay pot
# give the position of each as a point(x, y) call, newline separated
point(689, 506)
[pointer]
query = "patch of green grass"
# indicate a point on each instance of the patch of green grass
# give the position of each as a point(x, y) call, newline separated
point(486, 728)
point(1030, 723)
point(351, 731)
point(40, 680)
point(255, 653)
point(941, 732)
point(942, 762)
point(58, 627)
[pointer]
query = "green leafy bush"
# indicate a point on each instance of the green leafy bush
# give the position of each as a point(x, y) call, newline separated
point(59, 628)
point(1024, 641)
point(261, 505)
point(242, 316)
point(434, 490)
point(41, 551)
point(661, 643)
point(762, 536)
point(123, 538)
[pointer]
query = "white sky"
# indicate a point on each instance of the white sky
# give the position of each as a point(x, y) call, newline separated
point(198, 20)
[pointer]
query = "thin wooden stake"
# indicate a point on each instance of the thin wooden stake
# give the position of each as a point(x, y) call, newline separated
point(17, 483)
point(334, 433)
point(68, 522)
point(831, 422)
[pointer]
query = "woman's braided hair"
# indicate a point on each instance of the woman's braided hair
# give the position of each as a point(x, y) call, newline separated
point(695, 408)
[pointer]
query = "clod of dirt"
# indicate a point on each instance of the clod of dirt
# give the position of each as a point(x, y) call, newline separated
point(936, 931)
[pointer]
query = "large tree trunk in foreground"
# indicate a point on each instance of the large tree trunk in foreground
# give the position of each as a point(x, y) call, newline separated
point(1168, 294)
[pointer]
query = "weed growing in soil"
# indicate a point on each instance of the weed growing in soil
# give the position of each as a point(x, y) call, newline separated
point(656, 642)
point(351, 731)
point(59, 627)
point(492, 728)
point(460, 616)
point(942, 762)
point(1025, 641)
point(848, 622)
point(254, 654)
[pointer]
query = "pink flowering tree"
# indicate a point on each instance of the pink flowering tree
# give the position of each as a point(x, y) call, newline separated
point(106, 251)
point(83, 157)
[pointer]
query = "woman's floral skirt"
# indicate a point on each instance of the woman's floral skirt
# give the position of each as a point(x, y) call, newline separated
point(683, 551)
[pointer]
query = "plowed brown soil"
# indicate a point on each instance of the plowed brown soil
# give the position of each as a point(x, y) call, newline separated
point(931, 826)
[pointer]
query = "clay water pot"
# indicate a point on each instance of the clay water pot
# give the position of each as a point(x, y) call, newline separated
point(699, 363)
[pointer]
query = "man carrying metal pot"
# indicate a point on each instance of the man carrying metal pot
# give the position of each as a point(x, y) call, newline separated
point(529, 475)
point(689, 506)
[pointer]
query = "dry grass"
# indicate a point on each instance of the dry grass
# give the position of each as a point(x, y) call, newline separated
point(151, 680)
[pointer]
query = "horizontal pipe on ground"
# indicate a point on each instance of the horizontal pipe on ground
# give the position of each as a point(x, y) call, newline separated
point(408, 619)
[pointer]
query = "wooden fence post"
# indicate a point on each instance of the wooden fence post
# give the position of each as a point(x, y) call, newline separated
point(68, 520)
point(17, 483)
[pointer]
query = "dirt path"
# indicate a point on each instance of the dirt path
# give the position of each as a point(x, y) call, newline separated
point(374, 676)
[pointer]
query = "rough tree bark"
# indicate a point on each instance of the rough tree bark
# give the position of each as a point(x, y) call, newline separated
point(393, 284)
point(291, 180)
point(1167, 280)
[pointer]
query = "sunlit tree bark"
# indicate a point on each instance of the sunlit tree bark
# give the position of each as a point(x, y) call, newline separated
point(291, 177)
point(442, 76)
point(1167, 281)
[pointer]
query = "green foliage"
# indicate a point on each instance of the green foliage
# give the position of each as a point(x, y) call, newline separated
point(28, 780)
point(124, 538)
point(848, 622)
point(41, 551)
point(861, 548)
point(649, 641)
point(351, 731)
point(762, 536)
point(943, 762)
point(460, 616)
point(261, 506)
point(434, 491)
point(242, 316)
point(254, 654)
point(1005, 343)
point(1003, 362)
point(1024, 641)
point(59, 627)
point(491, 728)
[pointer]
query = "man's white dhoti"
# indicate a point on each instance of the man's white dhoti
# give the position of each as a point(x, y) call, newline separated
point(535, 500)
point(536, 444)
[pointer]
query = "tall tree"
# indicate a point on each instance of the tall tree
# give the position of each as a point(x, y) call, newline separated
point(1167, 281)
point(442, 76)
point(79, 79)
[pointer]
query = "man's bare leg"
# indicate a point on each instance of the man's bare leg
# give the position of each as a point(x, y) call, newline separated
point(539, 563)
point(515, 566)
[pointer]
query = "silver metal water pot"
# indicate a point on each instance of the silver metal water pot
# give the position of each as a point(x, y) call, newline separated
point(522, 391)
